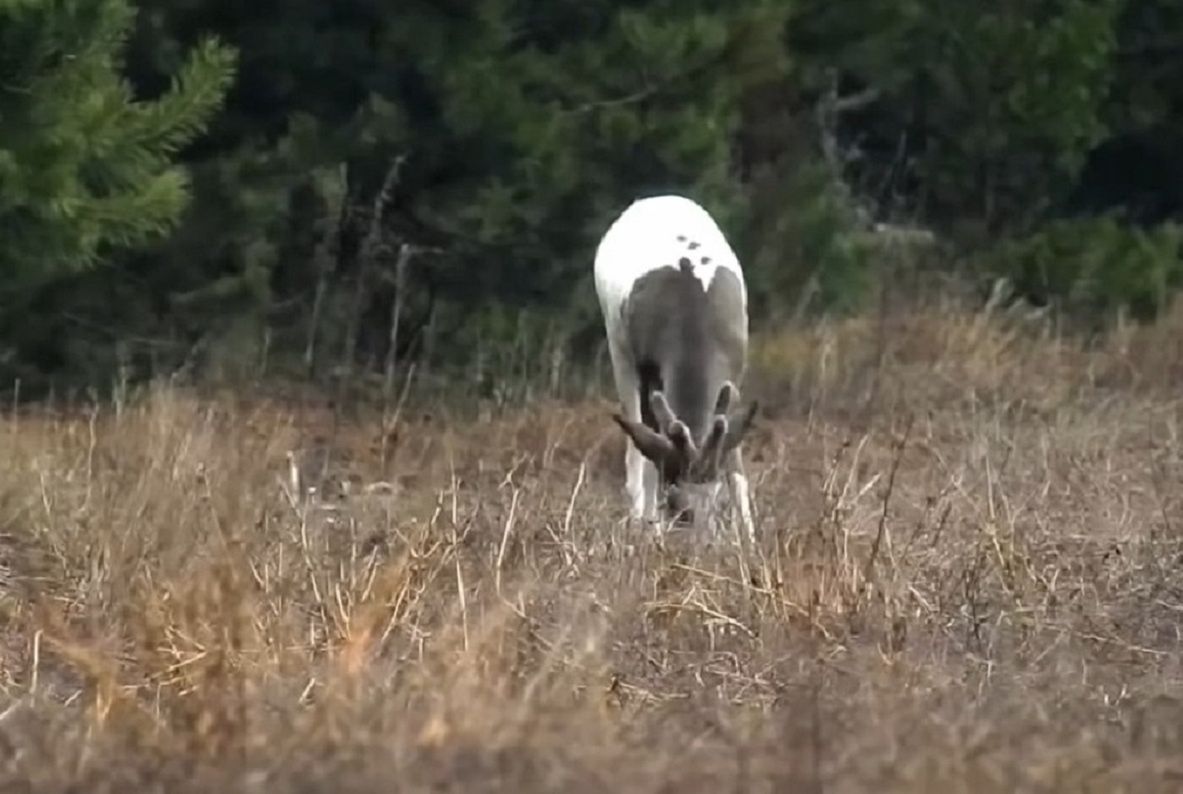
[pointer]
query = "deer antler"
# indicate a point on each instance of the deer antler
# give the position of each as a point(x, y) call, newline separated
point(739, 424)
point(655, 446)
point(672, 444)
point(727, 430)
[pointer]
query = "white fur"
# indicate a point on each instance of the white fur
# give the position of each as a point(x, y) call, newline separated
point(645, 237)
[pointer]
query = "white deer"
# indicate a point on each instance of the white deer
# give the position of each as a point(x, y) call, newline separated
point(674, 302)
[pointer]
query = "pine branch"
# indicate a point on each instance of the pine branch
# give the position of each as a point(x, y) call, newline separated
point(132, 217)
point(175, 119)
point(87, 168)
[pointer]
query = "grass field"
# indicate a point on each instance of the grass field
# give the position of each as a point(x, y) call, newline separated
point(969, 579)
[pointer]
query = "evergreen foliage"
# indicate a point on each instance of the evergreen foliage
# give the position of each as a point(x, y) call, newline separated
point(985, 113)
point(266, 215)
point(85, 168)
point(1096, 265)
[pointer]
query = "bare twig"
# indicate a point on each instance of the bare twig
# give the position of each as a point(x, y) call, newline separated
point(882, 530)
point(396, 310)
point(327, 251)
point(371, 249)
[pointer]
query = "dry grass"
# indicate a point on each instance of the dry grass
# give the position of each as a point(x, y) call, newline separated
point(970, 580)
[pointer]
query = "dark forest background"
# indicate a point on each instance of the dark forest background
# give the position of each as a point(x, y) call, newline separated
point(310, 189)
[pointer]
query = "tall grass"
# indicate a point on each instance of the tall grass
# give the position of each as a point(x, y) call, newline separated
point(969, 579)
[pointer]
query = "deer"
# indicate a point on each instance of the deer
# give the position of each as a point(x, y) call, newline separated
point(675, 309)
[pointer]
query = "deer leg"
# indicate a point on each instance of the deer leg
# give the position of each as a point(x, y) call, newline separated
point(628, 388)
point(740, 496)
point(637, 476)
point(649, 487)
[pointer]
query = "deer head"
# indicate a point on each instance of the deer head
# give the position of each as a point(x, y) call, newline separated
point(684, 466)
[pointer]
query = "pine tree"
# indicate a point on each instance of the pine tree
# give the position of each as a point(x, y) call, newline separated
point(593, 105)
point(525, 124)
point(86, 167)
point(984, 113)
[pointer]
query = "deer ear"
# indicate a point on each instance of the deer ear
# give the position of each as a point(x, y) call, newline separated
point(740, 424)
point(653, 446)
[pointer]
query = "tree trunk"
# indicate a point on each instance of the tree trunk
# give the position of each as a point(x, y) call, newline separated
point(396, 311)
point(327, 251)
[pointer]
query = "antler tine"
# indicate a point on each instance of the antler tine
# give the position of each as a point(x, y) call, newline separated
point(727, 393)
point(661, 411)
point(679, 434)
point(712, 448)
